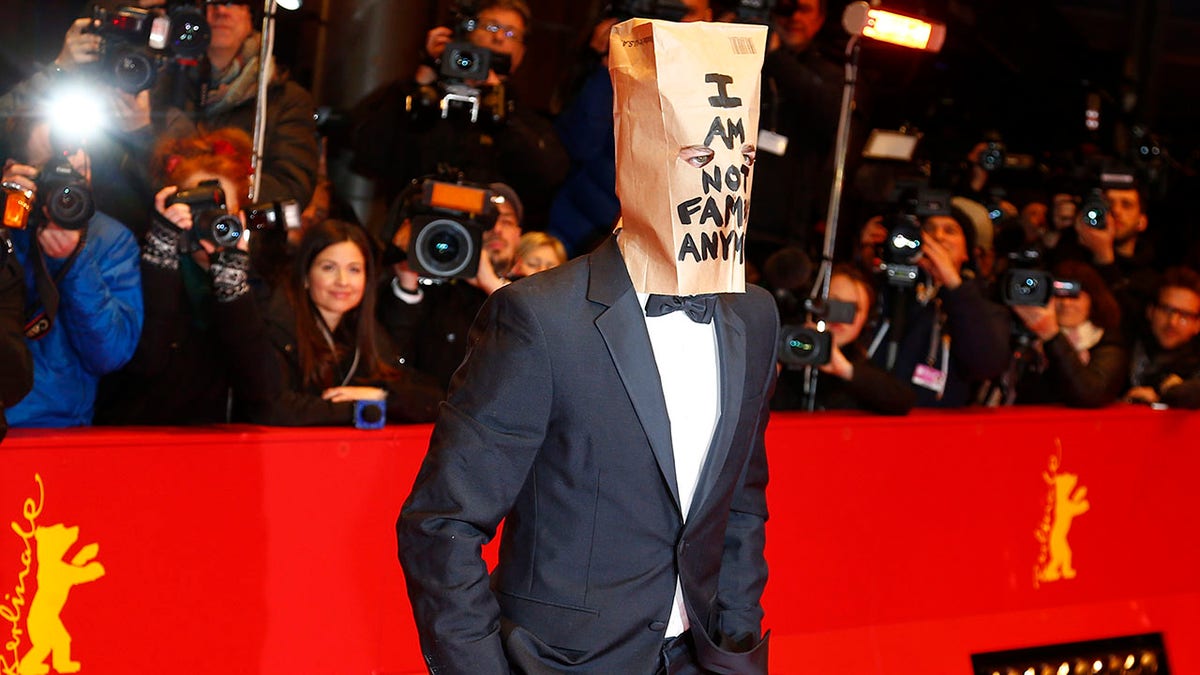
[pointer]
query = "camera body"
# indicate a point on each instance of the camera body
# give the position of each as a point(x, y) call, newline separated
point(1094, 209)
point(65, 194)
point(802, 345)
point(284, 214)
point(136, 42)
point(458, 92)
point(1026, 283)
point(902, 247)
point(448, 223)
point(211, 220)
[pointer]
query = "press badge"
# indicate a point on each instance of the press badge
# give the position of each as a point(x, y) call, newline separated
point(930, 378)
point(771, 142)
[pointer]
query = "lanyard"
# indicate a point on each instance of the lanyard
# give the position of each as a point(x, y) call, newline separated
point(40, 317)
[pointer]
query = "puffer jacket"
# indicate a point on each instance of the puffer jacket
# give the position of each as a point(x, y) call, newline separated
point(95, 331)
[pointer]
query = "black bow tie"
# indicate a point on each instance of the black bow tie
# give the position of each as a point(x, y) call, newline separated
point(699, 308)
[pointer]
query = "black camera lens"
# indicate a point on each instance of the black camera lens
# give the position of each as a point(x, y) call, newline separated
point(903, 242)
point(226, 229)
point(133, 70)
point(444, 248)
point(189, 34)
point(464, 60)
point(65, 194)
point(1094, 211)
point(804, 346)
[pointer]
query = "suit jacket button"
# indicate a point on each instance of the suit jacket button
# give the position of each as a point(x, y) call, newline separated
point(657, 626)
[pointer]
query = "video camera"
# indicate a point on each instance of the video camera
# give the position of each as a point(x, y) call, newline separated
point(136, 42)
point(448, 220)
point(61, 190)
point(1026, 283)
point(902, 247)
point(462, 67)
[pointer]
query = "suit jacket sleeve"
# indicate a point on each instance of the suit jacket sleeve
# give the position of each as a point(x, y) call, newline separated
point(487, 436)
point(743, 565)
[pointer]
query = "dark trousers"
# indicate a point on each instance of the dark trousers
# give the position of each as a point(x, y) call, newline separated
point(678, 657)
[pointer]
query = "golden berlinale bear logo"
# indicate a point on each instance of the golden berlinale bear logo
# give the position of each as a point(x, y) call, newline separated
point(1065, 499)
point(48, 546)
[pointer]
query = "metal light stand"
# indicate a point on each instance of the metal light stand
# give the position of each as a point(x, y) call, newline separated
point(264, 79)
point(820, 291)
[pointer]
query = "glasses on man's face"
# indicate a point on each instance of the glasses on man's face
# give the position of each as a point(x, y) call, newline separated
point(509, 32)
point(1184, 317)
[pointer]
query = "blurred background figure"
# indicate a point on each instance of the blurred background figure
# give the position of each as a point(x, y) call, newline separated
point(1079, 357)
point(537, 252)
point(1166, 356)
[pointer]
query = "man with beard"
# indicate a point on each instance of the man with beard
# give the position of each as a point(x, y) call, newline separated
point(429, 321)
point(1166, 358)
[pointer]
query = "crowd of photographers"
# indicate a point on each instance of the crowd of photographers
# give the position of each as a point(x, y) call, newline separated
point(146, 279)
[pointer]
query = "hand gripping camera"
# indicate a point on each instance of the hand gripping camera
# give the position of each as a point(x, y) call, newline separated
point(61, 190)
point(211, 220)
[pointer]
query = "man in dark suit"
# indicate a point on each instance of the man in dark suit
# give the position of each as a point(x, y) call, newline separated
point(621, 442)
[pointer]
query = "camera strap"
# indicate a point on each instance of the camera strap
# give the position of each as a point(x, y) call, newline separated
point(333, 350)
point(40, 316)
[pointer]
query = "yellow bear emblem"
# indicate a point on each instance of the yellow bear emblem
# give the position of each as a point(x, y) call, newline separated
point(55, 577)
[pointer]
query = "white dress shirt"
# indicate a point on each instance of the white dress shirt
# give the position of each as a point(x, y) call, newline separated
point(688, 366)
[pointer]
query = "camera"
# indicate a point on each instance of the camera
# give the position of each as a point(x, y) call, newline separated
point(1025, 283)
point(462, 67)
point(211, 221)
point(902, 247)
point(447, 229)
point(61, 189)
point(995, 156)
point(136, 41)
point(1094, 209)
point(273, 215)
point(803, 345)
point(65, 195)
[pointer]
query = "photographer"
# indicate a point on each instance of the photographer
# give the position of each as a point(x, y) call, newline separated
point(508, 143)
point(853, 382)
point(953, 337)
point(83, 302)
point(1079, 358)
point(196, 349)
point(333, 356)
point(429, 321)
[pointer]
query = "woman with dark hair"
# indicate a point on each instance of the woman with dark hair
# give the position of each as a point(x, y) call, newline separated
point(1079, 359)
point(331, 351)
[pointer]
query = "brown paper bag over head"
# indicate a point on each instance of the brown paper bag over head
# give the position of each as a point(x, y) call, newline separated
point(685, 108)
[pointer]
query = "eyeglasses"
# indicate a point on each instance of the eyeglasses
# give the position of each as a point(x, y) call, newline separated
point(1185, 317)
point(509, 32)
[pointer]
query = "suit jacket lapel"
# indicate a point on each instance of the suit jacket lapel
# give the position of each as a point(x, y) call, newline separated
point(623, 327)
point(731, 352)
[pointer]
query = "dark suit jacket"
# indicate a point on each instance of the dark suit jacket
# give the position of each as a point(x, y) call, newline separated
point(556, 423)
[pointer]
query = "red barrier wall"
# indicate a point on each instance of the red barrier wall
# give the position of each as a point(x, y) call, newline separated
point(896, 546)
